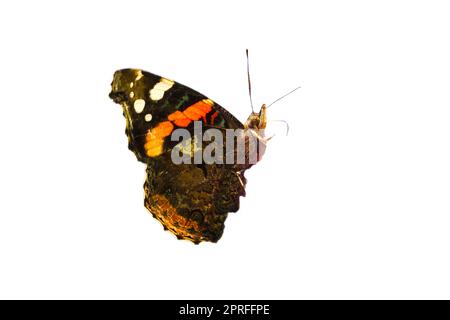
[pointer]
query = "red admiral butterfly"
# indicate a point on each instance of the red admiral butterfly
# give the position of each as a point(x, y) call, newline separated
point(191, 200)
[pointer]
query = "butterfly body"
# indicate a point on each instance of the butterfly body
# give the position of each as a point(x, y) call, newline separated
point(191, 200)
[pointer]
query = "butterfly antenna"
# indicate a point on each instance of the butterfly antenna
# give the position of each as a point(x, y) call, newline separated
point(283, 96)
point(249, 83)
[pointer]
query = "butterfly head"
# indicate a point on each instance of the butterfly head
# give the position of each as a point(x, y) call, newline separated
point(257, 120)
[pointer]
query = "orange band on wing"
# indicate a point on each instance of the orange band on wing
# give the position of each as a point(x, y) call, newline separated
point(194, 112)
point(155, 137)
point(198, 110)
point(179, 119)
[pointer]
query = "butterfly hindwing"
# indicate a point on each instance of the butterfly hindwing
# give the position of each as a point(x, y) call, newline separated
point(192, 201)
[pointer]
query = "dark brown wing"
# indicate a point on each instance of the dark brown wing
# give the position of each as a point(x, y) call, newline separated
point(148, 99)
point(192, 201)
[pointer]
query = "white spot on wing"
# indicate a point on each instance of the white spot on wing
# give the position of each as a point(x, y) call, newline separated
point(131, 94)
point(139, 105)
point(148, 117)
point(156, 95)
point(164, 84)
point(157, 92)
point(139, 75)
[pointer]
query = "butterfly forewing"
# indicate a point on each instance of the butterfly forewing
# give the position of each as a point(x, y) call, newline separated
point(149, 101)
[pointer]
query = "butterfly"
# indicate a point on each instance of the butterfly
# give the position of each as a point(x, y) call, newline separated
point(190, 199)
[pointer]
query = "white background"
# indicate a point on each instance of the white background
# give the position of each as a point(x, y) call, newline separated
point(354, 203)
